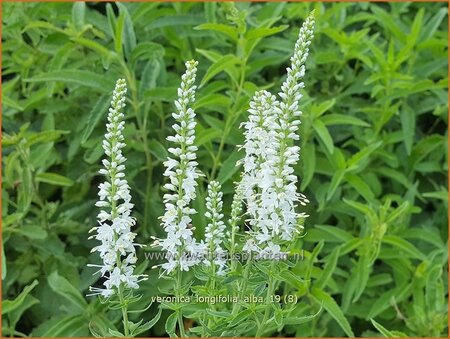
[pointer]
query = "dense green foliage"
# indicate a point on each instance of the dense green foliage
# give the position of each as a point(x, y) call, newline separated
point(373, 160)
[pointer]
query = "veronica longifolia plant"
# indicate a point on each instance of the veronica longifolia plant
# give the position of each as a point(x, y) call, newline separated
point(265, 206)
point(117, 248)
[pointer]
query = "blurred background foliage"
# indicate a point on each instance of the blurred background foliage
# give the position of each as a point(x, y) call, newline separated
point(373, 160)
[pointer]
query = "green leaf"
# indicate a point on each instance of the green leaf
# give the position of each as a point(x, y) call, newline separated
point(311, 260)
point(300, 320)
point(115, 333)
point(11, 305)
point(362, 273)
point(334, 233)
point(63, 326)
point(360, 186)
point(335, 182)
point(167, 94)
point(240, 317)
point(95, 46)
point(118, 43)
point(386, 333)
point(44, 137)
point(220, 65)
point(309, 163)
point(227, 30)
point(341, 119)
point(387, 21)
point(404, 246)
point(78, 77)
point(330, 305)
point(441, 195)
point(33, 231)
point(158, 150)
point(318, 110)
point(64, 288)
point(175, 20)
point(219, 314)
point(329, 268)
point(54, 179)
point(78, 12)
point(291, 278)
point(15, 315)
point(408, 120)
point(149, 324)
point(228, 168)
point(324, 135)
point(355, 162)
point(111, 20)
point(416, 27)
point(7, 101)
point(148, 51)
point(212, 100)
point(129, 36)
point(207, 135)
point(433, 24)
point(262, 32)
point(99, 110)
point(171, 322)
point(26, 191)
point(150, 75)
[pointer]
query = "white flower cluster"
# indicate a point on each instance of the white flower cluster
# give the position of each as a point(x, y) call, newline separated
point(180, 246)
point(268, 181)
point(215, 230)
point(258, 146)
point(117, 248)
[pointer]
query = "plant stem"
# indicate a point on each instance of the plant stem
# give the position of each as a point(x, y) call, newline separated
point(212, 286)
point(237, 306)
point(180, 315)
point(269, 294)
point(124, 312)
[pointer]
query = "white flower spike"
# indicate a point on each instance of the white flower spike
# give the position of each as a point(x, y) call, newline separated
point(117, 249)
point(268, 181)
point(181, 169)
point(215, 230)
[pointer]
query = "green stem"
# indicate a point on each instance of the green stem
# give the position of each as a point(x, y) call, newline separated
point(212, 282)
point(124, 312)
point(237, 306)
point(179, 313)
point(269, 294)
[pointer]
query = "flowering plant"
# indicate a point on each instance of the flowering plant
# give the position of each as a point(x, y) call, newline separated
point(372, 254)
point(265, 222)
point(117, 248)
